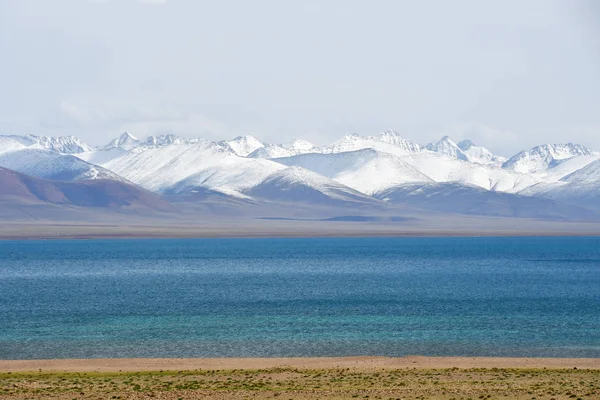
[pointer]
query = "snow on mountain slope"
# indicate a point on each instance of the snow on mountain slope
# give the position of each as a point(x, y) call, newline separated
point(117, 147)
point(579, 195)
point(101, 156)
point(572, 180)
point(126, 142)
point(590, 174)
point(373, 173)
point(367, 164)
point(365, 170)
point(242, 145)
point(179, 167)
point(581, 187)
point(301, 146)
point(295, 184)
point(394, 138)
point(18, 188)
point(457, 198)
point(387, 142)
point(165, 140)
point(272, 151)
point(62, 144)
point(447, 148)
point(49, 164)
point(296, 147)
point(465, 151)
point(11, 143)
point(545, 156)
point(479, 154)
point(29, 155)
point(157, 168)
point(562, 168)
point(443, 169)
point(229, 175)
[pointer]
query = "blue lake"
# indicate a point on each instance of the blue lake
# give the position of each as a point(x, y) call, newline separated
point(300, 297)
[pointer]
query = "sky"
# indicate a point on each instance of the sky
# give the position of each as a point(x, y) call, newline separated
point(506, 74)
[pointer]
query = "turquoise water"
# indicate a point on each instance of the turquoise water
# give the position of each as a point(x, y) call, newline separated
point(300, 297)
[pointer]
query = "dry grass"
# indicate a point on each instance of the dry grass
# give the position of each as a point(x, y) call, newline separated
point(291, 383)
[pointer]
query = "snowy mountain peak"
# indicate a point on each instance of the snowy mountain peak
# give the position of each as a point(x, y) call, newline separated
point(446, 147)
point(354, 171)
point(545, 156)
point(394, 138)
point(479, 154)
point(300, 145)
point(126, 142)
point(465, 145)
point(164, 140)
point(465, 150)
point(365, 170)
point(62, 144)
point(242, 145)
point(388, 142)
point(127, 136)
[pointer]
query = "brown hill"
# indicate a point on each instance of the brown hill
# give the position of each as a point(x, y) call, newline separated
point(16, 187)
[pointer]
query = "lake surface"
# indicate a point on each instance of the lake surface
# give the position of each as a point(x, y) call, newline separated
point(300, 297)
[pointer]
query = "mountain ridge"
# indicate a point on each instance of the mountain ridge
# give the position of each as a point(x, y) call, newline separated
point(546, 181)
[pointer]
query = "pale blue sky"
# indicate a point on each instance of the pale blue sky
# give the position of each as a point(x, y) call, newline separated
point(508, 74)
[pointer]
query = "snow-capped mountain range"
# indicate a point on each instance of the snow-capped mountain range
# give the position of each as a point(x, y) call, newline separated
point(356, 171)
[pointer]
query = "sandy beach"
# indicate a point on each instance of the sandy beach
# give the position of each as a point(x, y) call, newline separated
point(360, 363)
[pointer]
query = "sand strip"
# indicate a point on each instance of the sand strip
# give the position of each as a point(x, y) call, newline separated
point(363, 363)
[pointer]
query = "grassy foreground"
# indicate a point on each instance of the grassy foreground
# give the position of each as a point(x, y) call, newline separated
point(292, 383)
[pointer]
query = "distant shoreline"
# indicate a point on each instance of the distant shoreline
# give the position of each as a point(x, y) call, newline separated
point(361, 363)
point(300, 236)
point(72, 233)
point(332, 236)
point(260, 228)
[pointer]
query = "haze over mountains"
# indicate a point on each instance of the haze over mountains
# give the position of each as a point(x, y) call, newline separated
point(379, 176)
